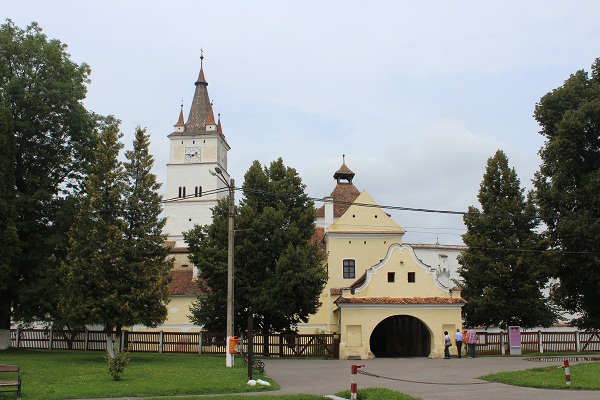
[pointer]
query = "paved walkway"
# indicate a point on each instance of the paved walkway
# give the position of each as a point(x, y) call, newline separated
point(449, 379)
point(323, 377)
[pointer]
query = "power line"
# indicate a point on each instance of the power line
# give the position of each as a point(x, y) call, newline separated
point(427, 210)
point(396, 208)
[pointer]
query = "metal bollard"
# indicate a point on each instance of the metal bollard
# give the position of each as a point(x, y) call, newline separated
point(567, 372)
point(354, 371)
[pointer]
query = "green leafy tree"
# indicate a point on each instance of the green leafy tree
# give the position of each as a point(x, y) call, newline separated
point(567, 189)
point(502, 270)
point(279, 272)
point(52, 137)
point(8, 232)
point(117, 268)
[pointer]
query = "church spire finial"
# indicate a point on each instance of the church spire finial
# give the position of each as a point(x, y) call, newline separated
point(343, 159)
point(201, 56)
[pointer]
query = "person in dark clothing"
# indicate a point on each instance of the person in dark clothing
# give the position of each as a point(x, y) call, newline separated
point(458, 338)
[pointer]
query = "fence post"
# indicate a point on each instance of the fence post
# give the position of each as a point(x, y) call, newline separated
point(336, 346)
point(353, 383)
point(18, 338)
point(577, 344)
point(567, 371)
point(86, 339)
point(51, 339)
point(281, 345)
point(540, 344)
point(160, 342)
point(200, 342)
point(502, 344)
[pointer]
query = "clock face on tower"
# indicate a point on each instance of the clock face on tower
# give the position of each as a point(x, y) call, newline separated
point(192, 154)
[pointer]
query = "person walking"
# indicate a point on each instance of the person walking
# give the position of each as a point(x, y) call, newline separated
point(447, 344)
point(471, 342)
point(458, 338)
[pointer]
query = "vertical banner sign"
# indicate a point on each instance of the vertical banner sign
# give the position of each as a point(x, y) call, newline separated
point(514, 340)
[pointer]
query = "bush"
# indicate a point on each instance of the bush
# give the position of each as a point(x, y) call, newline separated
point(117, 363)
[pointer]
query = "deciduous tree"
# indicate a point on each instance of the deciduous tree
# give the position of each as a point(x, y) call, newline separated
point(502, 271)
point(52, 136)
point(279, 272)
point(568, 188)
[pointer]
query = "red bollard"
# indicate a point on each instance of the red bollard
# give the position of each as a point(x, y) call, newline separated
point(354, 369)
point(567, 372)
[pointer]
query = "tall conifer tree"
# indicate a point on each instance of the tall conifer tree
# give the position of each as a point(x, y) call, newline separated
point(95, 265)
point(147, 257)
point(117, 269)
point(502, 271)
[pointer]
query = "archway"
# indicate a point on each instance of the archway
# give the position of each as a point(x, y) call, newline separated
point(400, 336)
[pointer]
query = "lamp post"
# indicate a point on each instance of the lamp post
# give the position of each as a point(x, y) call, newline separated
point(230, 246)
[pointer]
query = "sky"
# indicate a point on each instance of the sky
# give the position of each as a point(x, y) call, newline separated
point(416, 94)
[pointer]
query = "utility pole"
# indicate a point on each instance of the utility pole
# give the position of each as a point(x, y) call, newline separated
point(230, 285)
point(218, 172)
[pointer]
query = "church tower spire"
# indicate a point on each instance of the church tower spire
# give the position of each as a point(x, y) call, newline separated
point(201, 118)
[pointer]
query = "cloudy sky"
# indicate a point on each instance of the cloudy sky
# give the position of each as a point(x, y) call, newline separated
point(416, 94)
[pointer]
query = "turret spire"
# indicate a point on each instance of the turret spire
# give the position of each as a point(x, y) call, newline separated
point(180, 121)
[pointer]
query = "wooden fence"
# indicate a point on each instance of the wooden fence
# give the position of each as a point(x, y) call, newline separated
point(317, 345)
point(540, 342)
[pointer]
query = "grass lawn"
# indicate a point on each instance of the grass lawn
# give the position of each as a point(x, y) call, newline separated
point(583, 376)
point(59, 374)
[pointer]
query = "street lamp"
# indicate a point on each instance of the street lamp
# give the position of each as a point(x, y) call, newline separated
point(218, 172)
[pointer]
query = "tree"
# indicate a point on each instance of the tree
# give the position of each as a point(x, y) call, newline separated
point(8, 232)
point(279, 272)
point(149, 265)
point(502, 270)
point(50, 136)
point(95, 263)
point(567, 186)
point(117, 267)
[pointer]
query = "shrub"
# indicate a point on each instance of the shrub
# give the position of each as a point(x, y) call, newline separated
point(117, 362)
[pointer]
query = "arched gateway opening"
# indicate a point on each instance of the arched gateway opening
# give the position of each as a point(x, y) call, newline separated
point(400, 336)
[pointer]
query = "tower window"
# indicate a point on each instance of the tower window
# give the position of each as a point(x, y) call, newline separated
point(184, 191)
point(198, 191)
point(349, 269)
point(411, 277)
point(180, 192)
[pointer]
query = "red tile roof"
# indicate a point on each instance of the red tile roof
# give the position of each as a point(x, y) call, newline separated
point(318, 238)
point(182, 283)
point(343, 196)
point(400, 300)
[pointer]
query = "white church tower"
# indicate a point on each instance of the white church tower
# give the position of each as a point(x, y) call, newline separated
point(196, 148)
